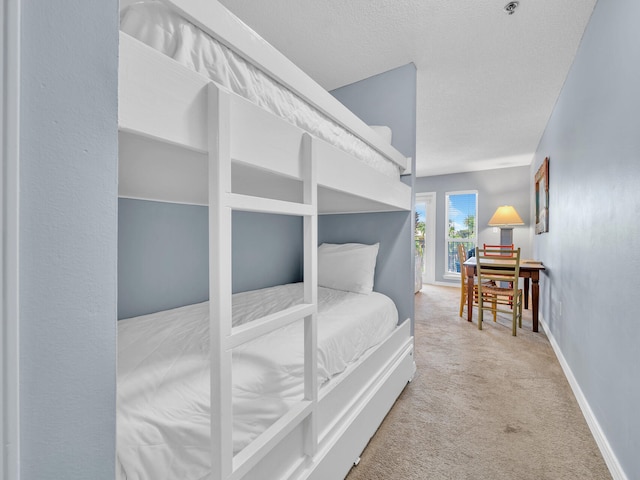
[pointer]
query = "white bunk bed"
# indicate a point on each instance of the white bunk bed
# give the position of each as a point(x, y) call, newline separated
point(187, 139)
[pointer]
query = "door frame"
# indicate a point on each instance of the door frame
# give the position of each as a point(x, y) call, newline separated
point(429, 200)
point(9, 246)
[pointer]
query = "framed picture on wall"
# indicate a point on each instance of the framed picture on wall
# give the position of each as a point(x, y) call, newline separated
point(542, 197)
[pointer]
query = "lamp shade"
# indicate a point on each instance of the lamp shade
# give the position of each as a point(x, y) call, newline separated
point(504, 216)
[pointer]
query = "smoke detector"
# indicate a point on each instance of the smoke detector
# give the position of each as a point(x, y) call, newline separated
point(510, 7)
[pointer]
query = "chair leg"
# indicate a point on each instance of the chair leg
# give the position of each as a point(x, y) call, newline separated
point(462, 300)
point(520, 311)
point(480, 310)
point(510, 297)
point(494, 308)
point(515, 315)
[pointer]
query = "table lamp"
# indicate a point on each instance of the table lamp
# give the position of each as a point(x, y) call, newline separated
point(505, 218)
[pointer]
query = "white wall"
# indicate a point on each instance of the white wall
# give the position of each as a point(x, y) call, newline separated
point(589, 293)
point(68, 226)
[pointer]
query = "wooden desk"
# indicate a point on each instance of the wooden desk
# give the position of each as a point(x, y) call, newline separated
point(528, 271)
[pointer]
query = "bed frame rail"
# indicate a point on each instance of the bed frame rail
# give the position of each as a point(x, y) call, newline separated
point(219, 23)
point(144, 76)
point(349, 411)
point(165, 144)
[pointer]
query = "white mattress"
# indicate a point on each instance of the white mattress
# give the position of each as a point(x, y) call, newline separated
point(163, 395)
point(154, 24)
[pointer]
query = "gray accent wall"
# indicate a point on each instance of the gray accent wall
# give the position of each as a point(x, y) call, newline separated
point(504, 186)
point(388, 98)
point(588, 298)
point(267, 250)
point(163, 254)
point(67, 244)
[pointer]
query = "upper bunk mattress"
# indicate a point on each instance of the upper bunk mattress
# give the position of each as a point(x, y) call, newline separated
point(163, 406)
point(156, 25)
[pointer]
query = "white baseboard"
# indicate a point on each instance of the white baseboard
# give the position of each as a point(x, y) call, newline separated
point(601, 440)
point(443, 284)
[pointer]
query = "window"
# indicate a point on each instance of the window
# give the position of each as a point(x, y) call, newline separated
point(461, 214)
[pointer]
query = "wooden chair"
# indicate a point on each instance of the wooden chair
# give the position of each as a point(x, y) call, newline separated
point(503, 269)
point(504, 249)
point(462, 257)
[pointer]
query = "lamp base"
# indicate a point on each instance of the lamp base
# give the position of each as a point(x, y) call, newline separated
point(506, 235)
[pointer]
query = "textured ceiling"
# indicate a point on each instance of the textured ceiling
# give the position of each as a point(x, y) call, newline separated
point(487, 81)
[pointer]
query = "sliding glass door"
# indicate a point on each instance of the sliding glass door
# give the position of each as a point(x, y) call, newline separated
point(425, 236)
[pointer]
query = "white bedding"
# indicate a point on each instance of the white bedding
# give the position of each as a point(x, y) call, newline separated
point(154, 24)
point(163, 374)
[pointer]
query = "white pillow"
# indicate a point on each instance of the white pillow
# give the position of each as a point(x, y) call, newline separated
point(383, 131)
point(348, 266)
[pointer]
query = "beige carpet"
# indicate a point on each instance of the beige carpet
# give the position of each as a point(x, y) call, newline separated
point(483, 405)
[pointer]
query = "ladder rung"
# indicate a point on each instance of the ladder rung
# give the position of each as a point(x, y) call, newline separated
point(268, 205)
point(261, 326)
point(246, 459)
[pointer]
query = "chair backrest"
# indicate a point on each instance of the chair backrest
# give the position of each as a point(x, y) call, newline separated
point(506, 268)
point(503, 250)
point(462, 257)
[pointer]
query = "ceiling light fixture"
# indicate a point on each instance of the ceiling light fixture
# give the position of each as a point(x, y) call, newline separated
point(510, 7)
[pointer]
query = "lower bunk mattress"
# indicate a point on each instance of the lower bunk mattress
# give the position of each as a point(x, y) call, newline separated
point(163, 396)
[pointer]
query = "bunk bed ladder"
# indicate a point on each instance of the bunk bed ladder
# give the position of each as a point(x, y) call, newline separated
point(224, 337)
